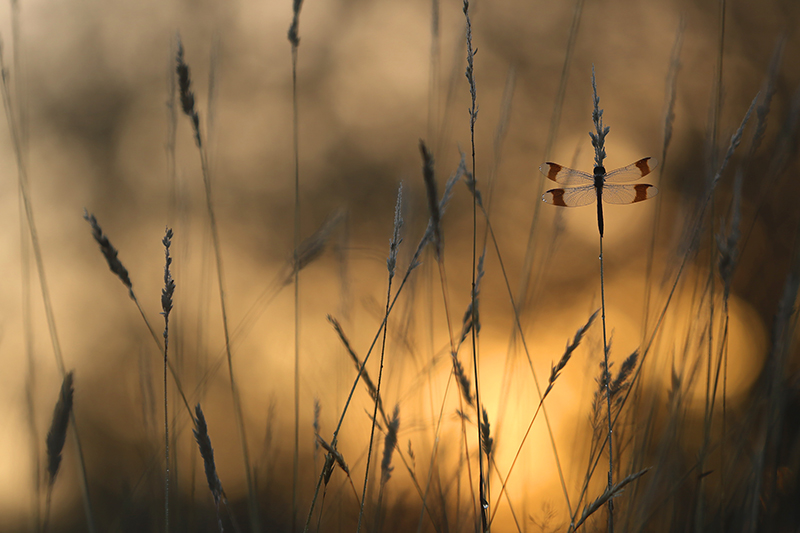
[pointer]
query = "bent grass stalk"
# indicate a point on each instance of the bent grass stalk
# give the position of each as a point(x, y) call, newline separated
point(118, 269)
point(15, 117)
point(189, 109)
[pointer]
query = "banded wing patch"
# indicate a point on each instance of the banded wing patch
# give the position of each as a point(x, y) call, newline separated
point(628, 194)
point(564, 175)
point(574, 197)
point(632, 172)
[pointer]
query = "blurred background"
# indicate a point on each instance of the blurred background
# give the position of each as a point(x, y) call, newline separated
point(91, 83)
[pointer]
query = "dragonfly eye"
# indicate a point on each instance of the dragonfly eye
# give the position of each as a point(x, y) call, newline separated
point(599, 170)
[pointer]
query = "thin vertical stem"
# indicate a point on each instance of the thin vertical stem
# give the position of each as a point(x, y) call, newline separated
point(295, 460)
point(294, 39)
point(606, 380)
point(166, 306)
point(473, 114)
point(18, 129)
point(375, 409)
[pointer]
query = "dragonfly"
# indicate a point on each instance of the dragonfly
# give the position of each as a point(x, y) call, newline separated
point(600, 185)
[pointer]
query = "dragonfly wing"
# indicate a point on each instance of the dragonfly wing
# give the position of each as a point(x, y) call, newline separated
point(574, 197)
point(628, 194)
point(564, 175)
point(634, 171)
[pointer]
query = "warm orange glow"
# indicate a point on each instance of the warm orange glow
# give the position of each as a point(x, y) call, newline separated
point(93, 88)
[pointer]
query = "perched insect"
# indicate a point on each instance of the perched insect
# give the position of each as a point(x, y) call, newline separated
point(600, 185)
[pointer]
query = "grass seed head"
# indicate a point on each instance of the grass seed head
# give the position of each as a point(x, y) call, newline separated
point(207, 453)
point(389, 444)
point(109, 252)
point(57, 434)
point(487, 442)
point(391, 262)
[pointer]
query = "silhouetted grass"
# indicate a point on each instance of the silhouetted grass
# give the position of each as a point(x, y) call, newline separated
point(730, 465)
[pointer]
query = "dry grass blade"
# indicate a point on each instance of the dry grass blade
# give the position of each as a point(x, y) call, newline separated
point(609, 494)
point(57, 434)
point(109, 252)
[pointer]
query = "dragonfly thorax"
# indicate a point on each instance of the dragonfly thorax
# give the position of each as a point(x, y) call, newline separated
point(599, 176)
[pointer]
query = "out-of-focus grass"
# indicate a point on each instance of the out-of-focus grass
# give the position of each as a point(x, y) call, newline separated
point(89, 87)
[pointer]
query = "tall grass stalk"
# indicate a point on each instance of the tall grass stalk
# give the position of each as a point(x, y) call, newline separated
point(598, 141)
point(190, 110)
point(427, 237)
point(519, 331)
point(730, 250)
point(670, 97)
point(473, 115)
point(21, 119)
point(17, 125)
point(428, 174)
point(709, 399)
point(166, 307)
point(391, 264)
point(294, 39)
point(694, 233)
